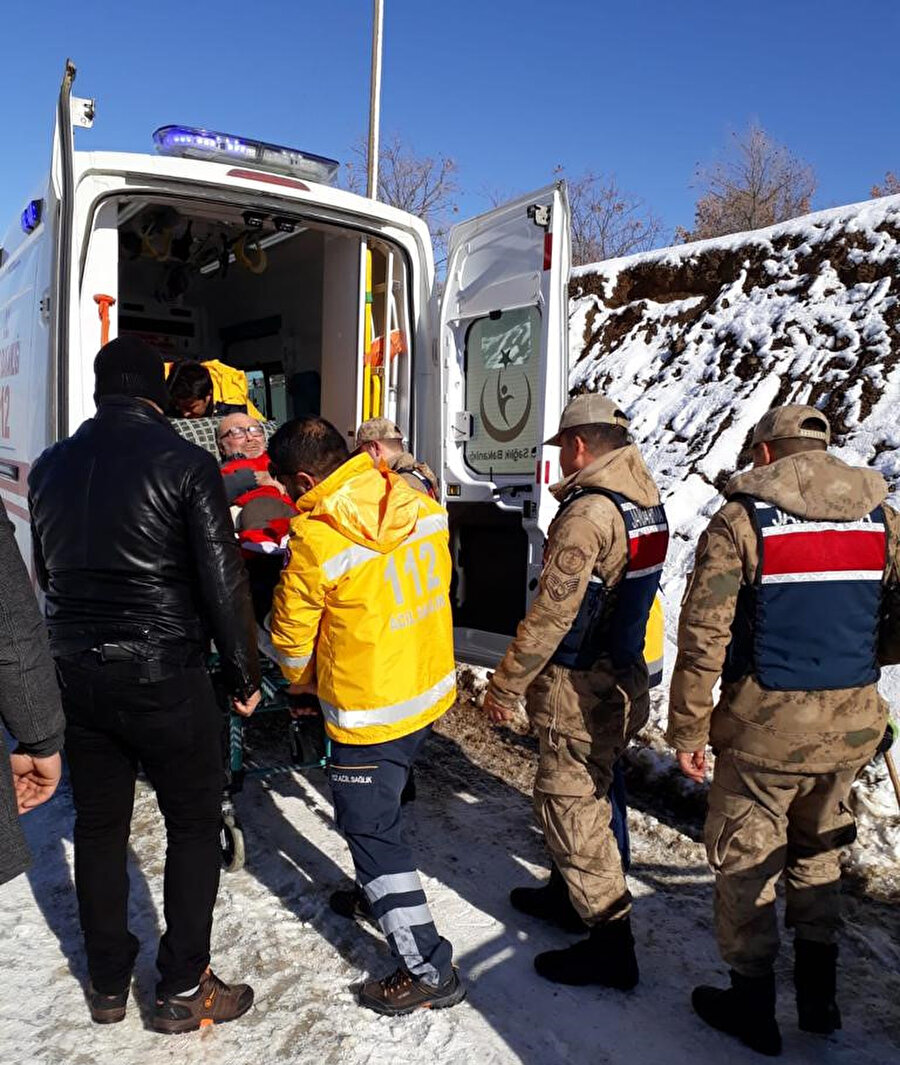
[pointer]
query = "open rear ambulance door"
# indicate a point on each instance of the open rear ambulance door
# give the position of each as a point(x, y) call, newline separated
point(503, 336)
point(34, 286)
point(71, 111)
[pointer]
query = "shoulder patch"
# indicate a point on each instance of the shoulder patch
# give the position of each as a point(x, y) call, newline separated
point(571, 560)
point(559, 588)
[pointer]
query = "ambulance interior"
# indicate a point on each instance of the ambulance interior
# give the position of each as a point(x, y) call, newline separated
point(299, 306)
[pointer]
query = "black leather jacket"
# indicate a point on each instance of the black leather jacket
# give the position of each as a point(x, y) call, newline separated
point(134, 545)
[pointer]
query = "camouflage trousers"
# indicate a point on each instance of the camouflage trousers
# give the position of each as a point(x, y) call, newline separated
point(570, 800)
point(762, 824)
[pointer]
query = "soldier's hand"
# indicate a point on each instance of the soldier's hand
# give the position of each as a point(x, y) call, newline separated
point(693, 764)
point(496, 712)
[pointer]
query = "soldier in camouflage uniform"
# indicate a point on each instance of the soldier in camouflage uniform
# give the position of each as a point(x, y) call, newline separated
point(578, 659)
point(383, 440)
point(783, 604)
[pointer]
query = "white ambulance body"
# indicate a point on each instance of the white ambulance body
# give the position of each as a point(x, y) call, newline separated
point(224, 248)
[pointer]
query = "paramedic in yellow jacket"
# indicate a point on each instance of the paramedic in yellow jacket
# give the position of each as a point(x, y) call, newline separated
point(362, 616)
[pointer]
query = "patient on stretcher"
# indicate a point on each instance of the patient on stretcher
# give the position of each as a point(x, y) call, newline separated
point(263, 510)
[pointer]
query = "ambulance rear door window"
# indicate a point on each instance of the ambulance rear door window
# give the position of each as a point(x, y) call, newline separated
point(503, 392)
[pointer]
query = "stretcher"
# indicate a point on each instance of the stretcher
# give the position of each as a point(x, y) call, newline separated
point(306, 747)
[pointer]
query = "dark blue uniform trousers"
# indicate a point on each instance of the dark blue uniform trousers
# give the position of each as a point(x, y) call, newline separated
point(619, 820)
point(366, 783)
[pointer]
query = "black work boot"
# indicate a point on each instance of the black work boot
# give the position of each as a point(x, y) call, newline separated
point(107, 1009)
point(606, 957)
point(746, 1010)
point(549, 903)
point(815, 977)
point(401, 993)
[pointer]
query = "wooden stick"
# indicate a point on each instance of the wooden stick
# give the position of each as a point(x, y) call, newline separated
point(892, 770)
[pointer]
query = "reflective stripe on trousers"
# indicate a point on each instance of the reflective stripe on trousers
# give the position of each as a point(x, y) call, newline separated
point(366, 782)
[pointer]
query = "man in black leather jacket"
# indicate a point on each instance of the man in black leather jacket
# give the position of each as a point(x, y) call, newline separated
point(136, 552)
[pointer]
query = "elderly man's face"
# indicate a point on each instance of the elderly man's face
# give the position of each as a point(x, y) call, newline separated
point(239, 434)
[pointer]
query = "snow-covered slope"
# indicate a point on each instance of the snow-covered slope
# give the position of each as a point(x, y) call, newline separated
point(698, 341)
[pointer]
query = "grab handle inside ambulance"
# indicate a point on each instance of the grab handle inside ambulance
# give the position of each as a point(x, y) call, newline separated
point(103, 305)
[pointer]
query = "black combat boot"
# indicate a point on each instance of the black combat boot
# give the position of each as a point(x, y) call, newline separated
point(815, 977)
point(606, 958)
point(746, 1010)
point(549, 903)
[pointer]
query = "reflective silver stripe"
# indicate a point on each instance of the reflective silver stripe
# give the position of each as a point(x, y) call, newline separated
point(406, 945)
point(824, 526)
point(389, 715)
point(392, 884)
point(646, 530)
point(293, 661)
point(643, 572)
point(832, 575)
point(356, 555)
point(404, 917)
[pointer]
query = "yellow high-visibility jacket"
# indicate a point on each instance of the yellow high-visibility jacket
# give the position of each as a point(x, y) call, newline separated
point(363, 604)
point(229, 386)
point(654, 642)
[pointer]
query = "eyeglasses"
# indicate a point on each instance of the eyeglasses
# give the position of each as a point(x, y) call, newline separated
point(239, 432)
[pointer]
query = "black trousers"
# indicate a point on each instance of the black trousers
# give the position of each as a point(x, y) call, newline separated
point(120, 714)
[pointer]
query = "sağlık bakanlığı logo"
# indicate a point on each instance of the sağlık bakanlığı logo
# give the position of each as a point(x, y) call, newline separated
point(504, 383)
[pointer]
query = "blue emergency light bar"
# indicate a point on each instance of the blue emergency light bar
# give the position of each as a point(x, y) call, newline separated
point(31, 216)
point(191, 143)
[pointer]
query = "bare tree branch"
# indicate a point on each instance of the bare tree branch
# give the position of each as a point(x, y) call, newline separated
point(890, 186)
point(607, 221)
point(760, 183)
point(421, 185)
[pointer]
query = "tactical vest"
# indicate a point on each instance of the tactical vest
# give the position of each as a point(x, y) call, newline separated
point(419, 473)
point(809, 621)
point(613, 621)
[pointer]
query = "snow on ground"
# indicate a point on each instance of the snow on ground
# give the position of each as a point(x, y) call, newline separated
point(696, 342)
point(474, 838)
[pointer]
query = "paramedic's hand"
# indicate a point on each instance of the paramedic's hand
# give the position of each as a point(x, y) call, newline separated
point(246, 709)
point(496, 712)
point(693, 764)
point(35, 779)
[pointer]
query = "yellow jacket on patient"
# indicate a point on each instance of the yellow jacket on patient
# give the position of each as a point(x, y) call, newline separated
point(363, 604)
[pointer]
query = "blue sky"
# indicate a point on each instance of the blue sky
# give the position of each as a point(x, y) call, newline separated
point(508, 88)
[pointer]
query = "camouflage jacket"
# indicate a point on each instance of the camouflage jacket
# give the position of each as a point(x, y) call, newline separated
point(412, 471)
point(818, 731)
point(587, 538)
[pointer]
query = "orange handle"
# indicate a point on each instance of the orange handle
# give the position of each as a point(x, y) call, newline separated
point(103, 305)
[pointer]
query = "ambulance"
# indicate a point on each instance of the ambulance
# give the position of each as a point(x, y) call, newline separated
point(215, 246)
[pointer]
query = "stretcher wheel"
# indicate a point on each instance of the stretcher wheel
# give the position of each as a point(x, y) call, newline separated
point(231, 844)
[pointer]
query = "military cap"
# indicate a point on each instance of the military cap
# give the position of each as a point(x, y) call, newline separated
point(786, 423)
point(590, 408)
point(378, 429)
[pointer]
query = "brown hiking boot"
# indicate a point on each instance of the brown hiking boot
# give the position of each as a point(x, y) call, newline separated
point(107, 1009)
point(401, 992)
point(214, 1002)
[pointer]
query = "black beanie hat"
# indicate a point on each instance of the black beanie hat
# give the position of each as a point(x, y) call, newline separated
point(129, 367)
